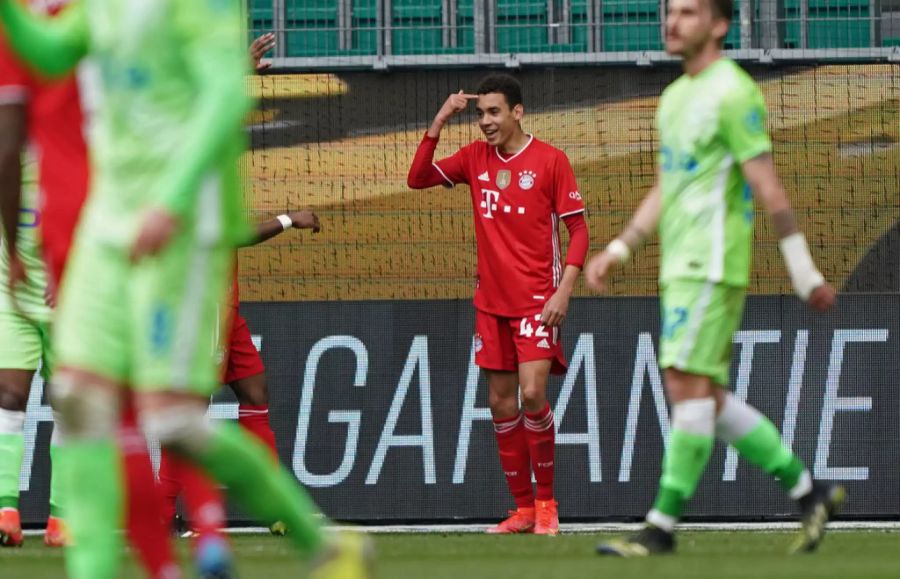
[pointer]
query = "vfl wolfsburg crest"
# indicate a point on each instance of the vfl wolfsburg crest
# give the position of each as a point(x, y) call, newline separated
point(504, 178)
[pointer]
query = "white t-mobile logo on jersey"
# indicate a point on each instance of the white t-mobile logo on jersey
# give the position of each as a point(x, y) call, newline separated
point(489, 203)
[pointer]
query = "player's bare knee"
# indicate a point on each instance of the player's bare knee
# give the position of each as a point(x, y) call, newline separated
point(12, 397)
point(503, 404)
point(534, 398)
point(84, 411)
point(180, 428)
point(685, 386)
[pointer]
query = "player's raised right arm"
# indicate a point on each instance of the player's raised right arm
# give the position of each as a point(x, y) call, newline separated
point(642, 224)
point(424, 173)
point(53, 46)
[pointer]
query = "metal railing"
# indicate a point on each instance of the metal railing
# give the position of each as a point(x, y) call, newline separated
point(328, 34)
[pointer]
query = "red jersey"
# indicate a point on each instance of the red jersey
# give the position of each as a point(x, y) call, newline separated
point(55, 125)
point(518, 202)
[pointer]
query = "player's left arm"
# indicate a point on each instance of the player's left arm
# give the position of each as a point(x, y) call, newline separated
point(743, 127)
point(52, 45)
point(214, 52)
point(569, 205)
point(266, 230)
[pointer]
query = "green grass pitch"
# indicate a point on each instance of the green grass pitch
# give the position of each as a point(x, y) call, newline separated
point(702, 555)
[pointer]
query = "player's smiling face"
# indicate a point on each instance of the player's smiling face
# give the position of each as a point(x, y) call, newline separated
point(497, 120)
point(691, 26)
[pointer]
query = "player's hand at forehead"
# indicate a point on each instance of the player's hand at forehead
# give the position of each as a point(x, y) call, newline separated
point(456, 103)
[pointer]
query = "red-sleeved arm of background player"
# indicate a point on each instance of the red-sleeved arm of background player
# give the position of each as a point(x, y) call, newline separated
point(578, 239)
point(423, 173)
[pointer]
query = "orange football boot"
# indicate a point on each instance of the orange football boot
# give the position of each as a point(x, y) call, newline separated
point(10, 528)
point(546, 518)
point(519, 521)
point(56, 534)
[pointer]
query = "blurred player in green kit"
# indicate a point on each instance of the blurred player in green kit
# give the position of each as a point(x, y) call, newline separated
point(715, 157)
point(152, 261)
point(25, 333)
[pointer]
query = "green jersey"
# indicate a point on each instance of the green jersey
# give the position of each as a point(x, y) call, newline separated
point(167, 112)
point(709, 124)
point(30, 296)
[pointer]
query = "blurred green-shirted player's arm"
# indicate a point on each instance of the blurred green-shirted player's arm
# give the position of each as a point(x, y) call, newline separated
point(219, 65)
point(53, 46)
point(207, 30)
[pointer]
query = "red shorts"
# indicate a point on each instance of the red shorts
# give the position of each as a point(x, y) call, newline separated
point(242, 359)
point(504, 343)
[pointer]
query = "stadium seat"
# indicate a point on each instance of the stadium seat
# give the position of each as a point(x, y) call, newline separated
point(580, 28)
point(261, 17)
point(416, 27)
point(830, 23)
point(733, 39)
point(465, 26)
point(634, 33)
point(311, 28)
point(522, 26)
point(632, 25)
point(844, 27)
point(364, 24)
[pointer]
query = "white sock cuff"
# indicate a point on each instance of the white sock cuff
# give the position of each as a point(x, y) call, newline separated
point(11, 421)
point(507, 425)
point(695, 416)
point(736, 420)
point(662, 521)
point(183, 426)
point(803, 487)
point(541, 424)
point(85, 413)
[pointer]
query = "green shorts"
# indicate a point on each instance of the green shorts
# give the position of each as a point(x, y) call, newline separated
point(152, 325)
point(25, 343)
point(699, 322)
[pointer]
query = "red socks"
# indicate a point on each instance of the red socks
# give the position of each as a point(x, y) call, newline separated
point(170, 485)
point(202, 499)
point(514, 459)
point(206, 509)
point(146, 530)
point(541, 436)
point(255, 419)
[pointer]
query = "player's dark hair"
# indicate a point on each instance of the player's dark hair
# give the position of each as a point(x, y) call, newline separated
point(503, 84)
point(722, 9)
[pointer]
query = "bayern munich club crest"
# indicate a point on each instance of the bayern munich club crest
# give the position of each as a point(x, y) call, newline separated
point(504, 178)
point(526, 180)
point(479, 343)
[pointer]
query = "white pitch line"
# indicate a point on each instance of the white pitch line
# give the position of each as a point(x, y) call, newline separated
point(582, 528)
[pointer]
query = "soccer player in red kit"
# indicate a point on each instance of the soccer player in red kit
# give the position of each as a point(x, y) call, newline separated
point(521, 188)
point(243, 371)
point(48, 115)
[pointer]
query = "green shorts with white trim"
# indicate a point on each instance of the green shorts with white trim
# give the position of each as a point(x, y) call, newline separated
point(154, 324)
point(699, 320)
